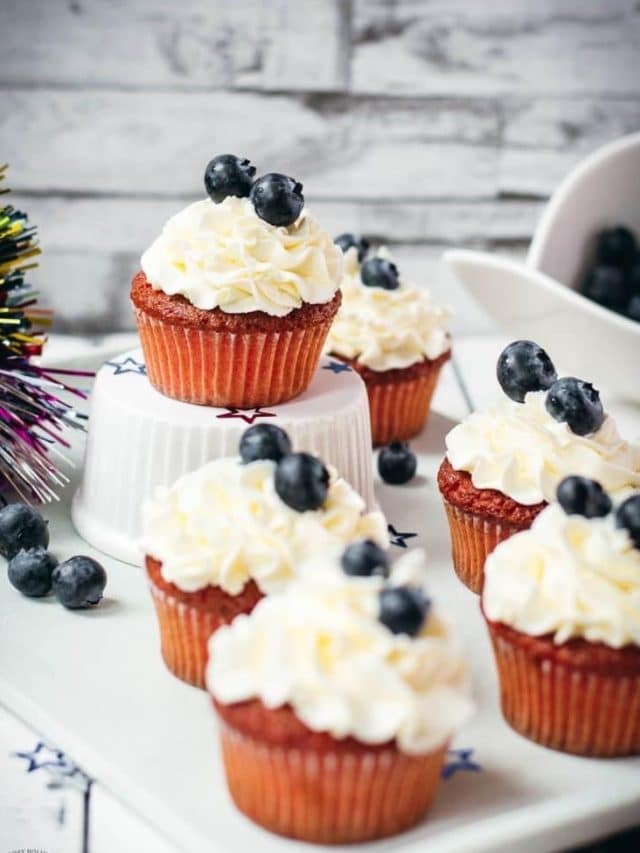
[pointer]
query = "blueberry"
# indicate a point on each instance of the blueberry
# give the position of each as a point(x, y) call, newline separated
point(576, 403)
point(379, 272)
point(353, 241)
point(633, 279)
point(228, 175)
point(302, 481)
point(403, 609)
point(30, 572)
point(79, 582)
point(628, 516)
point(581, 496)
point(607, 286)
point(21, 527)
point(277, 199)
point(396, 463)
point(616, 246)
point(524, 366)
point(365, 558)
point(264, 441)
point(633, 308)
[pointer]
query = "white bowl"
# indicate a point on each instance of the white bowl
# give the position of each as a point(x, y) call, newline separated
point(540, 301)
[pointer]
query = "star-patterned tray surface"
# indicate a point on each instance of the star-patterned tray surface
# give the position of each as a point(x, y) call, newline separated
point(94, 686)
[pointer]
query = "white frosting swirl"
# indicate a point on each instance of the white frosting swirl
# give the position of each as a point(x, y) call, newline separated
point(224, 256)
point(568, 576)
point(320, 648)
point(520, 450)
point(386, 329)
point(224, 525)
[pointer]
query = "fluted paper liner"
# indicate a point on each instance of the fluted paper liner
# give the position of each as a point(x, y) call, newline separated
point(187, 620)
point(241, 370)
point(584, 707)
point(473, 538)
point(340, 796)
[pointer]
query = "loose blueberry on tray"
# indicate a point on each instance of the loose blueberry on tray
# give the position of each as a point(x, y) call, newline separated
point(21, 528)
point(227, 175)
point(302, 481)
point(577, 403)
point(582, 496)
point(403, 610)
point(79, 582)
point(524, 366)
point(365, 558)
point(277, 199)
point(397, 464)
point(353, 241)
point(30, 572)
point(264, 441)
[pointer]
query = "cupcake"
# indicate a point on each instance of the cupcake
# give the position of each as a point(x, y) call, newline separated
point(236, 295)
point(392, 334)
point(337, 700)
point(235, 530)
point(562, 604)
point(503, 465)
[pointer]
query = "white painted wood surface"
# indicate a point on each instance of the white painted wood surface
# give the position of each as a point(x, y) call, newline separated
point(425, 123)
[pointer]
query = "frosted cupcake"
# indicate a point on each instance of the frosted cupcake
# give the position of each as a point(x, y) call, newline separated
point(503, 465)
point(391, 332)
point(337, 701)
point(562, 603)
point(237, 529)
point(236, 295)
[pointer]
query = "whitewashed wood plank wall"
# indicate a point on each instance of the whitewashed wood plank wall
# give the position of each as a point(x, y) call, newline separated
point(424, 123)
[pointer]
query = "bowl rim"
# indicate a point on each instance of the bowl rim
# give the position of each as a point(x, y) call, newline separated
point(559, 196)
point(541, 280)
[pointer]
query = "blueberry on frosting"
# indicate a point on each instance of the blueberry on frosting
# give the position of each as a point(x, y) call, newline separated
point(30, 572)
point(582, 496)
point(227, 175)
point(524, 366)
point(353, 241)
point(302, 481)
point(403, 609)
point(264, 441)
point(21, 527)
point(576, 403)
point(277, 199)
point(628, 516)
point(365, 558)
point(380, 272)
point(397, 464)
point(79, 582)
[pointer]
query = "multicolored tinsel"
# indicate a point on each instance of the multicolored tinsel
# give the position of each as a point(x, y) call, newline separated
point(32, 414)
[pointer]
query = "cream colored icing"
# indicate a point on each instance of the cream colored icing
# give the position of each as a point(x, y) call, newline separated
point(224, 525)
point(320, 648)
point(568, 576)
point(520, 450)
point(224, 256)
point(386, 329)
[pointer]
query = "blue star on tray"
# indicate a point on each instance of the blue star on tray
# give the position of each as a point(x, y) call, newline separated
point(459, 759)
point(337, 367)
point(44, 756)
point(247, 416)
point(129, 365)
point(399, 539)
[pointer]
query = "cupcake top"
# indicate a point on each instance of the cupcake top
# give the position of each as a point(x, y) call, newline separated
point(249, 247)
point(548, 429)
point(365, 657)
point(232, 521)
point(385, 322)
point(569, 576)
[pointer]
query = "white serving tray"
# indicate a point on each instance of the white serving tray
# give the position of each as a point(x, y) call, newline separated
point(94, 684)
